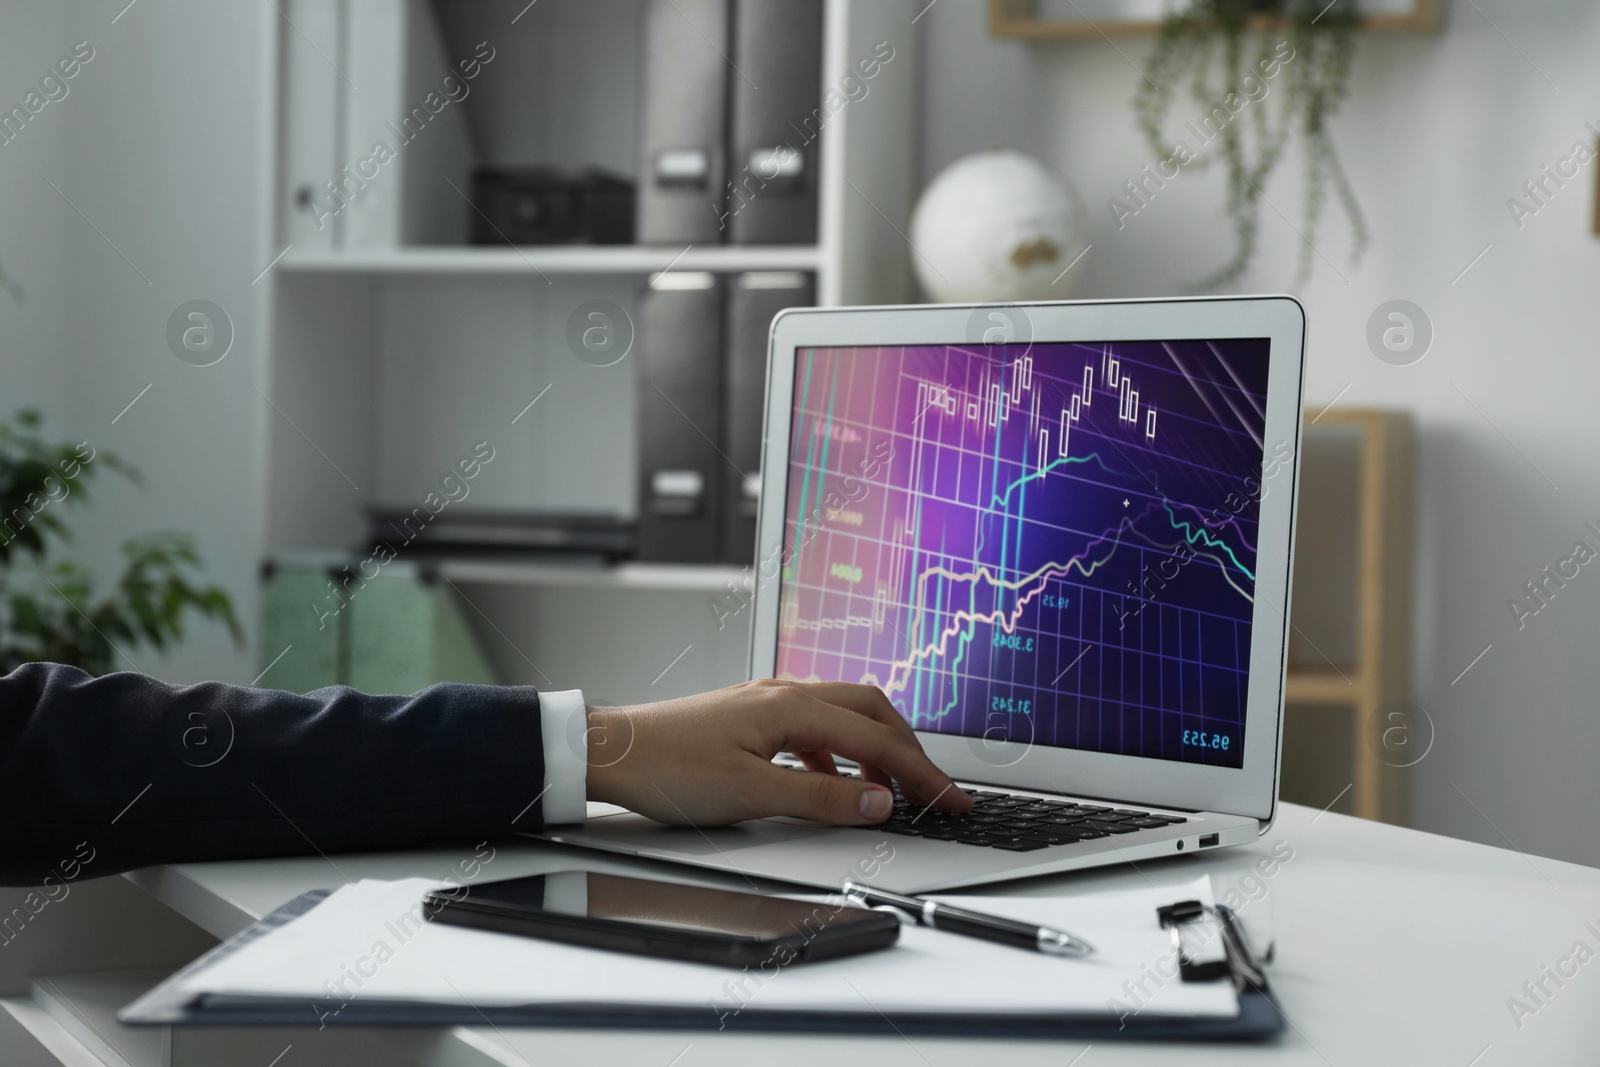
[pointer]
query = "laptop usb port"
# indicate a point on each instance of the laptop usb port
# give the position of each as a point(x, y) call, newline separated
point(1208, 840)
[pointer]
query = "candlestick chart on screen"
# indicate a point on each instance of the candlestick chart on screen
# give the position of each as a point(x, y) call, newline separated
point(1051, 543)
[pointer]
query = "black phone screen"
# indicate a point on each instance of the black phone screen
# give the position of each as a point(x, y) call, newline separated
point(665, 918)
point(646, 902)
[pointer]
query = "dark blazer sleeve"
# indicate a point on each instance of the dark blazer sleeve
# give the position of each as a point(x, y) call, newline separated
point(101, 775)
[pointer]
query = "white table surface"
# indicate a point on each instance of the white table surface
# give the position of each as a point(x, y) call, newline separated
point(1393, 946)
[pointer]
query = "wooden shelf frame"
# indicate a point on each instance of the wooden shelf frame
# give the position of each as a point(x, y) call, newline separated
point(1321, 687)
point(1382, 584)
point(1019, 19)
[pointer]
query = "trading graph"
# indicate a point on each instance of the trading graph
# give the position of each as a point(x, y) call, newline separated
point(1052, 543)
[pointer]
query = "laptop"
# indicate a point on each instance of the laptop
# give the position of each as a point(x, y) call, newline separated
point(1058, 537)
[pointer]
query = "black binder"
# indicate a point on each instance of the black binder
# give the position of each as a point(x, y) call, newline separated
point(774, 122)
point(680, 417)
point(753, 299)
point(683, 127)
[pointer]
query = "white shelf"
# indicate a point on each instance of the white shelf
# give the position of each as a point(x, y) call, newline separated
point(85, 1006)
point(567, 259)
point(29, 1033)
point(690, 577)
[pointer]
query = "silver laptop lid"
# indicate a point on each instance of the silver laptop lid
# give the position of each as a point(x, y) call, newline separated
point(1057, 535)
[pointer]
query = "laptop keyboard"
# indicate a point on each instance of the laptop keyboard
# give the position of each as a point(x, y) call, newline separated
point(1012, 822)
point(1018, 823)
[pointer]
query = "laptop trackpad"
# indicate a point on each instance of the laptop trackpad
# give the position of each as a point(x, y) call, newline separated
point(636, 831)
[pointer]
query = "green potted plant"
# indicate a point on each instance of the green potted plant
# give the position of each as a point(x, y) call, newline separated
point(49, 608)
point(1220, 51)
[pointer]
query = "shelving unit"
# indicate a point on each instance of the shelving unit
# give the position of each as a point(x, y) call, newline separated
point(1348, 723)
point(393, 348)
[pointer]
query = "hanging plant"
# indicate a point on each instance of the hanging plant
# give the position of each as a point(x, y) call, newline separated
point(1286, 62)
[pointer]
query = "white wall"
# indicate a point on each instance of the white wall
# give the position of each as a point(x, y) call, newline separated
point(163, 154)
point(1439, 131)
point(32, 36)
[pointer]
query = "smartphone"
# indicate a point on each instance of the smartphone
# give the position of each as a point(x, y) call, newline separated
point(684, 922)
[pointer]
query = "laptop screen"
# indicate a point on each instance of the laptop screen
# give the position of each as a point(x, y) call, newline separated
point(1049, 544)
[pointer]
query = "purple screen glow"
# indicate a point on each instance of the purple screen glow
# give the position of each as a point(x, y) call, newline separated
point(1047, 543)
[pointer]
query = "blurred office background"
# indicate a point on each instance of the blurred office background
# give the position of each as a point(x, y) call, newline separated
point(379, 352)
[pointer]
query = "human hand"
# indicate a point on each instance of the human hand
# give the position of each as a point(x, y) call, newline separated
point(706, 760)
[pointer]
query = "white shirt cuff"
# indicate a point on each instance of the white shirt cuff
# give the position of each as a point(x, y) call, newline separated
point(566, 756)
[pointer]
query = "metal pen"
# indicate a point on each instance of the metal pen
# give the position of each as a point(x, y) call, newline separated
point(954, 920)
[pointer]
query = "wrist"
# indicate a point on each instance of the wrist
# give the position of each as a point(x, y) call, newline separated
point(608, 736)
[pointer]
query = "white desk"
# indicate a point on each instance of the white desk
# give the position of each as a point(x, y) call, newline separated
point(1393, 947)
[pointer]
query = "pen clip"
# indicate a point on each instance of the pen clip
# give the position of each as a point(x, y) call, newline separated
point(890, 909)
point(852, 893)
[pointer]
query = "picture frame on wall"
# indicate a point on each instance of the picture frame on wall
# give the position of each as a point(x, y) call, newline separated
point(1066, 20)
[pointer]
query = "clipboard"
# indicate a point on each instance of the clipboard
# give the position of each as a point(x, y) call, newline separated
point(174, 1003)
